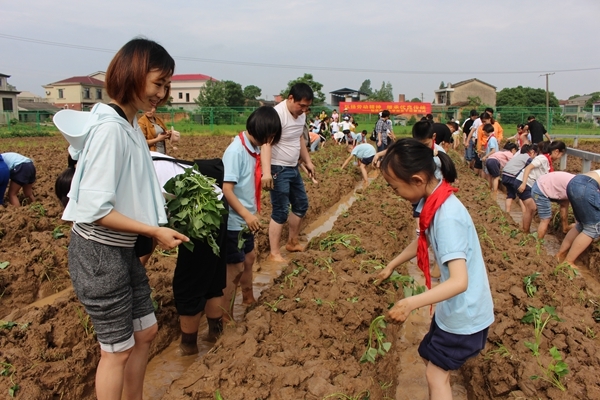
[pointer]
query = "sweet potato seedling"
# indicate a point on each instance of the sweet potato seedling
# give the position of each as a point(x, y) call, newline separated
point(565, 269)
point(273, 305)
point(530, 288)
point(554, 371)
point(540, 318)
point(4, 264)
point(376, 345)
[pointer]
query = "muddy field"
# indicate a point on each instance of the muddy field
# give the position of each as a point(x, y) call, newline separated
point(305, 336)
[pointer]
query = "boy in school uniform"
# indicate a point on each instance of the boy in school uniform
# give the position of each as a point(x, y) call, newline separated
point(242, 189)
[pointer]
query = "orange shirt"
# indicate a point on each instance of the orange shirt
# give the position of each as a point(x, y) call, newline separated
point(482, 137)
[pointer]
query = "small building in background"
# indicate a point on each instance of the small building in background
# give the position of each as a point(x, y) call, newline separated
point(458, 94)
point(8, 100)
point(346, 94)
point(77, 92)
point(185, 88)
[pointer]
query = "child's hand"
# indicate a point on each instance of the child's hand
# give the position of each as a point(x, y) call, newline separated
point(521, 188)
point(384, 274)
point(168, 238)
point(253, 223)
point(401, 310)
point(267, 182)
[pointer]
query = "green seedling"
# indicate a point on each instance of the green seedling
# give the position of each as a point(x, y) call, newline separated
point(409, 286)
point(393, 234)
point(376, 345)
point(530, 288)
point(554, 371)
point(352, 299)
point(375, 264)
point(218, 395)
point(501, 350)
point(274, 303)
point(540, 318)
point(566, 269)
point(39, 209)
point(85, 322)
point(483, 235)
point(325, 263)
point(364, 395)
point(318, 301)
point(8, 325)
point(7, 369)
point(590, 333)
point(331, 240)
point(288, 278)
point(155, 303)
point(505, 256)
point(4, 264)
point(241, 240)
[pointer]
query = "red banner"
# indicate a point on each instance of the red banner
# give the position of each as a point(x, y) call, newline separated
point(374, 107)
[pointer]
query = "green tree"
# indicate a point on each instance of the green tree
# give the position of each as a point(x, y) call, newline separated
point(309, 80)
point(415, 100)
point(474, 101)
point(588, 104)
point(213, 94)
point(252, 92)
point(234, 94)
point(524, 97)
point(385, 93)
point(366, 87)
point(442, 85)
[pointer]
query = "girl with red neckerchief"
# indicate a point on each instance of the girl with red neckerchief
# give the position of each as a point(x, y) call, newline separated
point(464, 308)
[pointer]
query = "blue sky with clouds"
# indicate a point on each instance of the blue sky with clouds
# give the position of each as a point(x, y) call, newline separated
point(455, 40)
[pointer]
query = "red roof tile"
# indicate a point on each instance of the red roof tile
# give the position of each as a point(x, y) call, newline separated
point(86, 80)
point(192, 77)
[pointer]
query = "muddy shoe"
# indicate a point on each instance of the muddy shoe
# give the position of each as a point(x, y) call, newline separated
point(187, 349)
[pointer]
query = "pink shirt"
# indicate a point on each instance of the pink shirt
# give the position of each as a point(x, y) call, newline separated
point(502, 156)
point(554, 184)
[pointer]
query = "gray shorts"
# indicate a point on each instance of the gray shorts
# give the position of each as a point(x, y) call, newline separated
point(113, 286)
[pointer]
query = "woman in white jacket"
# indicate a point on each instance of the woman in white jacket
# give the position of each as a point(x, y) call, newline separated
point(116, 206)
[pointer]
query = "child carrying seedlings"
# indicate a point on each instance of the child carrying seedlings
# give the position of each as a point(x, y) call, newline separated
point(241, 187)
point(365, 154)
point(464, 308)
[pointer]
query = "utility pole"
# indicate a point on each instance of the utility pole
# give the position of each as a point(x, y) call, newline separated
point(421, 97)
point(547, 100)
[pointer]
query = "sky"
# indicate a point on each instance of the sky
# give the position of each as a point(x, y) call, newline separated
point(414, 45)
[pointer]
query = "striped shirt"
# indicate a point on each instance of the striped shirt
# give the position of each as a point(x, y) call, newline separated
point(100, 234)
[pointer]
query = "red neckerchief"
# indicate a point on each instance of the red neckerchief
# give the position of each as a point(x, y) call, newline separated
point(257, 171)
point(432, 203)
point(549, 162)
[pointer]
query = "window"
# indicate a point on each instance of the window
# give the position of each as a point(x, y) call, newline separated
point(571, 109)
point(187, 97)
point(7, 104)
point(99, 94)
point(61, 94)
point(596, 108)
point(180, 95)
point(86, 93)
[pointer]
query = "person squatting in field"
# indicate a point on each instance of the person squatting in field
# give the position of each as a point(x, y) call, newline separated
point(115, 199)
point(281, 174)
point(364, 154)
point(583, 192)
point(495, 162)
point(464, 309)
point(242, 189)
point(22, 175)
point(549, 188)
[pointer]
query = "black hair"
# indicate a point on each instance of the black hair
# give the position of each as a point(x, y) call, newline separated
point(510, 146)
point(407, 157)
point(301, 91)
point(542, 147)
point(526, 148)
point(554, 145)
point(422, 130)
point(62, 186)
point(521, 126)
point(454, 125)
point(385, 113)
point(473, 113)
point(485, 115)
point(530, 118)
point(429, 117)
point(488, 128)
point(489, 110)
point(364, 132)
point(264, 125)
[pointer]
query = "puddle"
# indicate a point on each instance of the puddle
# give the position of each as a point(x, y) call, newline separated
point(412, 384)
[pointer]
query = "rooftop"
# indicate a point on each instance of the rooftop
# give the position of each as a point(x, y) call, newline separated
point(192, 77)
point(85, 80)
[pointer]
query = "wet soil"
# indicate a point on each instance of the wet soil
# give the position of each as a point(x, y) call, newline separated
point(305, 336)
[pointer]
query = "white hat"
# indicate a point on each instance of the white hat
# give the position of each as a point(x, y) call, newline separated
point(346, 118)
point(71, 124)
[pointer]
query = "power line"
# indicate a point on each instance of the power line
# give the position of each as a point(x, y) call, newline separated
point(291, 66)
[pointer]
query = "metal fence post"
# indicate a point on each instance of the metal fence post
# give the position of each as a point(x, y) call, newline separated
point(212, 119)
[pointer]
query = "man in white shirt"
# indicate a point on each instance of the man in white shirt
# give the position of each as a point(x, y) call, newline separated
point(281, 174)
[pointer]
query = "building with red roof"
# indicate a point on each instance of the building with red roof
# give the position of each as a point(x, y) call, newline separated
point(77, 92)
point(185, 88)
